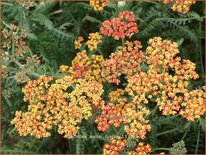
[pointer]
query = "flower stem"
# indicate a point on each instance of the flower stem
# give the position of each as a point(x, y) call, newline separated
point(122, 41)
point(166, 149)
point(166, 132)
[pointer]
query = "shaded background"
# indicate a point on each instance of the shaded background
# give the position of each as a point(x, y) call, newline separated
point(53, 27)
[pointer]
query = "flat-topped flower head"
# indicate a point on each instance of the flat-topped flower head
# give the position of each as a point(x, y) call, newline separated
point(98, 5)
point(181, 6)
point(120, 27)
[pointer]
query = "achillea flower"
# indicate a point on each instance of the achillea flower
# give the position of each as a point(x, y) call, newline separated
point(143, 149)
point(31, 123)
point(142, 85)
point(21, 77)
point(94, 40)
point(64, 69)
point(181, 6)
point(139, 126)
point(178, 148)
point(35, 90)
point(115, 146)
point(16, 35)
point(77, 42)
point(98, 5)
point(120, 111)
point(194, 105)
point(114, 95)
point(169, 102)
point(126, 61)
point(122, 26)
point(50, 105)
point(110, 115)
point(87, 68)
point(160, 54)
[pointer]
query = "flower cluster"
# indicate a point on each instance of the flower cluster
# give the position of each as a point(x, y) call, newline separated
point(171, 72)
point(21, 77)
point(50, 105)
point(115, 146)
point(126, 61)
point(14, 35)
point(142, 86)
point(94, 41)
point(141, 150)
point(89, 68)
point(77, 42)
point(181, 6)
point(16, 52)
point(194, 104)
point(120, 27)
point(98, 5)
point(27, 4)
point(138, 125)
point(34, 122)
point(178, 148)
point(123, 112)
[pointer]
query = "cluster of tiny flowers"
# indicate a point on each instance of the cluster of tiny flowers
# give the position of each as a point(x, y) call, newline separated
point(50, 105)
point(141, 149)
point(27, 4)
point(122, 112)
point(165, 78)
point(120, 27)
point(16, 35)
point(94, 40)
point(98, 5)
point(89, 68)
point(138, 125)
point(161, 56)
point(178, 148)
point(111, 113)
point(142, 86)
point(77, 42)
point(21, 77)
point(194, 104)
point(181, 6)
point(115, 146)
point(16, 52)
point(5, 72)
point(126, 61)
point(34, 122)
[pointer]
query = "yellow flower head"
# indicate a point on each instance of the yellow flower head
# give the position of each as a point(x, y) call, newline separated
point(94, 40)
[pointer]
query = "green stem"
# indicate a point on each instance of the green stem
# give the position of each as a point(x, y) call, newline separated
point(3, 22)
point(5, 3)
point(122, 41)
point(36, 75)
point(78, 145)
point(166, 149)
point(55, 12)
point(7, 101)
point(175, 116)
point(166, 132)
point(153, 112)
point(17, 63)
point(200, 50)
point(198, 140)
point(183, 137)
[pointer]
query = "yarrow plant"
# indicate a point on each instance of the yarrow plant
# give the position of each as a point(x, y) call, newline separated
point(123, 92)
point(120, 27)
point(98, 5)
point(181, 6)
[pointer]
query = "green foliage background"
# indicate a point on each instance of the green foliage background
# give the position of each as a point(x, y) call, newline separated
point(53, 27)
